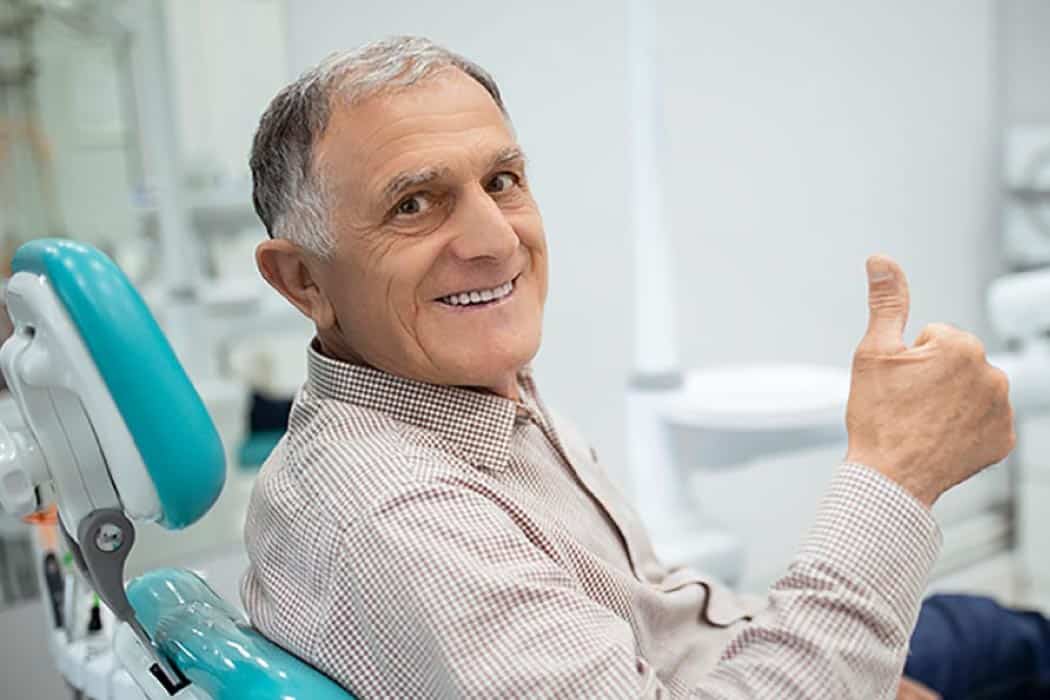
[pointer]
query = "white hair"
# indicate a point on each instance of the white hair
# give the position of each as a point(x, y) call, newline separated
point(288, 192)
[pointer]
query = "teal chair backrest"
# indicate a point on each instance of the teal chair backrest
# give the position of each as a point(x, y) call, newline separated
point(167, 420)
point(209, 640)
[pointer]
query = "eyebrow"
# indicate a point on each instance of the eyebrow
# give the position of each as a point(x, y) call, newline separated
point(407, 180)
point(410, 179)
point(505, 156)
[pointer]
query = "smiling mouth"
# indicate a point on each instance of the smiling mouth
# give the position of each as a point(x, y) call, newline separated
point(481, 297)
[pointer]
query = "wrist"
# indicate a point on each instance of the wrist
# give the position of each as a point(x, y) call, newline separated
point(913, 480)
point(924, 493)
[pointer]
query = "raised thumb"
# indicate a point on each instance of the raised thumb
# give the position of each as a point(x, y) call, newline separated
point(888, 304)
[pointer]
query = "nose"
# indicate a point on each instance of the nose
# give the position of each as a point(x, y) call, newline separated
point(483, 229)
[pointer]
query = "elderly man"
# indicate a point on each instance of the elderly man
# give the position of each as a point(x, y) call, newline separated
point(429, 528)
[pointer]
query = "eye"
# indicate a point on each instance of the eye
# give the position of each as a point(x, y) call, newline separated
point(412, 205)
point(501, 182)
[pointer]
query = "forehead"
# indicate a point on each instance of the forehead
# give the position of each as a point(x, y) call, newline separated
point(447, 119)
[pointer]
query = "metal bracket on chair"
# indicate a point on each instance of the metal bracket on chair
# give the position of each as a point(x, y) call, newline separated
point(106, 537)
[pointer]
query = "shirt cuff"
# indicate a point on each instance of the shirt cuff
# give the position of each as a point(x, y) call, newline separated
point(874, 530)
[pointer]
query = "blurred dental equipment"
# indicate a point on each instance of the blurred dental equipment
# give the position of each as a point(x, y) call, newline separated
point(1020, 313)
point(679, 420)
point(1026, 212)
point(234, 338)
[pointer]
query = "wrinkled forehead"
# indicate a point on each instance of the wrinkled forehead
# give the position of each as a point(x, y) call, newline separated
point(447, 120)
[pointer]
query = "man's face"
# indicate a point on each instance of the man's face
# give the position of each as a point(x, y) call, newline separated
point(430, 208)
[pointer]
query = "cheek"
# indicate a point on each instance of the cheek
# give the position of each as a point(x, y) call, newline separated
point(528, 225)
point(533, 238)
point(361, 290)
point(398, 280)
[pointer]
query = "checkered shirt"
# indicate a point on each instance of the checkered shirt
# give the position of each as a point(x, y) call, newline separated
point(421, 541)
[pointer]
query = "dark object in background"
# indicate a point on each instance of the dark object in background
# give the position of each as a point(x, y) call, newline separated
point(268, 414)
point(267, 422)
point(55, 587)
point(95, 621)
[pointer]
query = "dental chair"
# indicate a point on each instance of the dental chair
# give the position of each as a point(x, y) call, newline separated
point(114, 428)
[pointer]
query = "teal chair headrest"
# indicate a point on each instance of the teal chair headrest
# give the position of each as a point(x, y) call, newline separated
point(164, 415)
point(215, 648)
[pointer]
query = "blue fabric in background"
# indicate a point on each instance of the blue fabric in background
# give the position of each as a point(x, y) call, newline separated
point(971, 648)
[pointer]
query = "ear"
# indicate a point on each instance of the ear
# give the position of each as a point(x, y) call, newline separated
point(294, 273)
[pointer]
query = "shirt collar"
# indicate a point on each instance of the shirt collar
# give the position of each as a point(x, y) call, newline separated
point(477, 425)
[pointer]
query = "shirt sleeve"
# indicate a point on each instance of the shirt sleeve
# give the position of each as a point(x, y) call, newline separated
point(839, 621)
point(453, 595)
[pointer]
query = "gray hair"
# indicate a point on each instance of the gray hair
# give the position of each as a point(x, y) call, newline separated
point(289, 193)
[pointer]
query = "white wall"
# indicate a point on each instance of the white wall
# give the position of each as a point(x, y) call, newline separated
point(227, 60)
point(807, 135)
point(1025, 36)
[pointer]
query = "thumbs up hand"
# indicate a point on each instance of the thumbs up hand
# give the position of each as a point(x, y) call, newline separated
point(929, 416)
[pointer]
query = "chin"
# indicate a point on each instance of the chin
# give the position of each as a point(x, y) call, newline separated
point(490, 367)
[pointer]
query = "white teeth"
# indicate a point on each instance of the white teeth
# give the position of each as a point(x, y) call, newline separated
point(479, 296)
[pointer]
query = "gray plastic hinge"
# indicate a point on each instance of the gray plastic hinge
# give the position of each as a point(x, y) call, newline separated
point(106, 537)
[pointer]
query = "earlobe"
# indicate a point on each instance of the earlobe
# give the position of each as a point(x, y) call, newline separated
point(323, 311)
point(285, 268)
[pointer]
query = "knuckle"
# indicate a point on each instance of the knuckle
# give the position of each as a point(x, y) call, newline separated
point(943, 334)
point(946, 327)
point(864, 353)
point(1000, 382)
point(961, 345)
point(977, 346)
point(939, 329)
point(1004, 450)
point(1007, 436)
point(971, 345)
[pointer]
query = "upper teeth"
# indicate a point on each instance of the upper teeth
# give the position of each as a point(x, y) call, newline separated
point(480, 295)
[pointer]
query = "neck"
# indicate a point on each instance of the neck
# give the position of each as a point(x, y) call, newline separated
point(506, 386)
